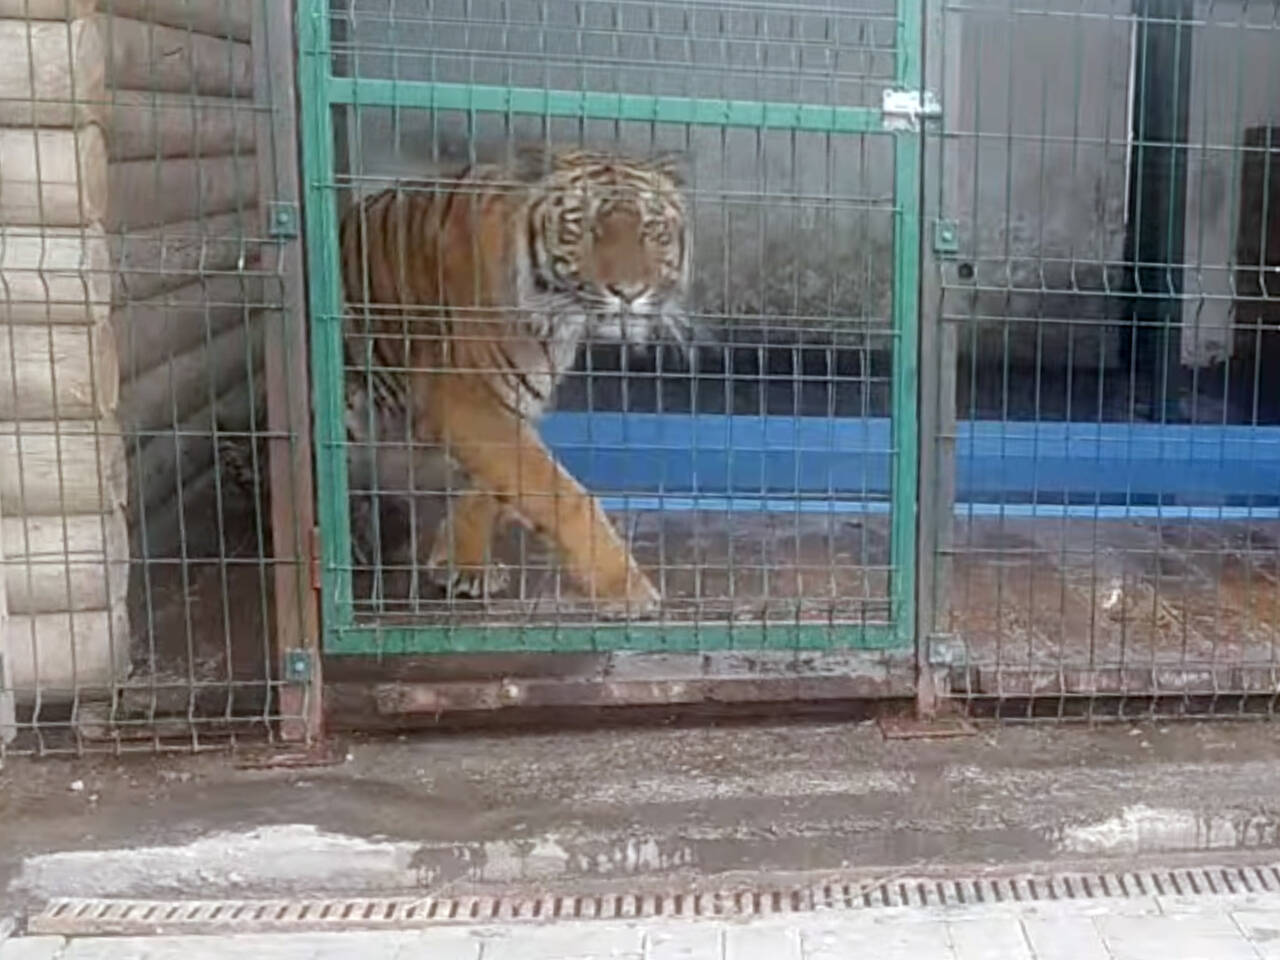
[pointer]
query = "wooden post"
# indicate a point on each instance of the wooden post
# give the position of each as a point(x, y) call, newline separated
point(297, 626)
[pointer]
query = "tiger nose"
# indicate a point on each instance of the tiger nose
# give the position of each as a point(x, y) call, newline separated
point(630, 292)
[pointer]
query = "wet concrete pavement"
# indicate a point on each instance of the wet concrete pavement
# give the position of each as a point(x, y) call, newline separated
point(637, 808)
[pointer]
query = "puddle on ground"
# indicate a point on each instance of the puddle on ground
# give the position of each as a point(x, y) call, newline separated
point(1143, 829)
point(292, 855)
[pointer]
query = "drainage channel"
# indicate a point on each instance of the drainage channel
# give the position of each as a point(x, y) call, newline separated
point(133, 917)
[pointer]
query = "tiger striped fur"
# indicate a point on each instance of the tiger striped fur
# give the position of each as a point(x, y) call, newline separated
point(468, 300)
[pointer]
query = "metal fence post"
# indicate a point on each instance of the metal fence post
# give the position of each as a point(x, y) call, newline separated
point(297, 620)
point(937, 385)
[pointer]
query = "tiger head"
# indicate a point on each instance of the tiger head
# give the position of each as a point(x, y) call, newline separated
point(608, 235)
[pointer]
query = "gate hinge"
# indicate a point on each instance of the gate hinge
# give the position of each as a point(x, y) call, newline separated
point(297, 666)
point(282, 220)
point(906, 109)
point(315, 561)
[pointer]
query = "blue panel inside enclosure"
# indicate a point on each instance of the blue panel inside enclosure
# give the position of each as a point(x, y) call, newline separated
point(723, 455)
point(695, 460)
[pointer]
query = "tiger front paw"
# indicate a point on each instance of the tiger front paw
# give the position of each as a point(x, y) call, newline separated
point(469, 583)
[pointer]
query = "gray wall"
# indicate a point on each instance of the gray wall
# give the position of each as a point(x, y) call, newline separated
point(1038, 117)
point(1035, 160)
point(793, 227)
point(796, 229)
point(1235, 85)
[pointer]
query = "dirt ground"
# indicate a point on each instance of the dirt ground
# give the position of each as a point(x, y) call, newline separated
point(711, 567)
point(1056, 607)
point(1047, 605)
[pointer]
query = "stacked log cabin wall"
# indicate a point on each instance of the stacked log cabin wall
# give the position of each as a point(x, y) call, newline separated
point(128, 334)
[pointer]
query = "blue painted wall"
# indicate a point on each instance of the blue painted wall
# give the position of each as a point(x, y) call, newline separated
point(1030, 467)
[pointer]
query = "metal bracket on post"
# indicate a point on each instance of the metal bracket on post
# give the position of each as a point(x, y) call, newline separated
point(282, 220)
point(942, 650)
point(946, 237)
point(941, 722)
point(297, 667)
point(907, 109)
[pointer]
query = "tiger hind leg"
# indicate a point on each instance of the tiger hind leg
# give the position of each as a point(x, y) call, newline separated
point(505, 457)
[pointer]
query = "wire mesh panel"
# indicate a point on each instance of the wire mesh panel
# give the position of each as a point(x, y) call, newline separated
point(1108, 195)
point(147, 345)
point(614, 309)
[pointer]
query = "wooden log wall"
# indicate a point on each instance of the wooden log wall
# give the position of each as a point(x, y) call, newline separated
point(128, 308)
point(62, 470)
point(183, 187)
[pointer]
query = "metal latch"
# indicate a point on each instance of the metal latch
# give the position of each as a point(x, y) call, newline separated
point(905, 109)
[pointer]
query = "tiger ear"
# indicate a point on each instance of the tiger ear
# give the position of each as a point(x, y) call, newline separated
point(673, 164)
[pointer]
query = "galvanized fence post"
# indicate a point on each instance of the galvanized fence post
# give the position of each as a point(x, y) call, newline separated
point(937, 384)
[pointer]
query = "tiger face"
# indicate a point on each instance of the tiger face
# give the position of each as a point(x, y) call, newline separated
point(608, 235)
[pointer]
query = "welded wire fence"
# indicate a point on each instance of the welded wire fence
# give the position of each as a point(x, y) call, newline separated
point(1096, 474)
point(754, 462)
point(147, 331)
point(971, 297)
point(1107, 179)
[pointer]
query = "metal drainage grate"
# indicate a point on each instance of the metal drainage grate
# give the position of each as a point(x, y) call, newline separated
point(100, 916)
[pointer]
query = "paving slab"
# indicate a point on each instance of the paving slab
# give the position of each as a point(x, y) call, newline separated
point(32, 948)
point(1225, 933)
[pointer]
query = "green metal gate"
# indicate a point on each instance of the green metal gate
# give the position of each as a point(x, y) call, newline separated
point(759, 489)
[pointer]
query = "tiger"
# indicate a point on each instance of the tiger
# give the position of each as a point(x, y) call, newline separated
point(467, 301)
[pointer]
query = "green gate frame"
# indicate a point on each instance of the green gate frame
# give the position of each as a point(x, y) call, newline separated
point(320, 91)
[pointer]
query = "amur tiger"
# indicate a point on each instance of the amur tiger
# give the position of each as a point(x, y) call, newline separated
point(467, 301)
